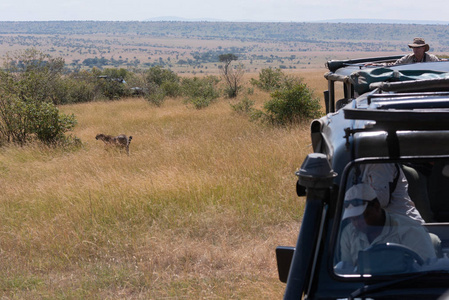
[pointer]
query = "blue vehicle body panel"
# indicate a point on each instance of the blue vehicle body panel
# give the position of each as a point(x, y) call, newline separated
point(390, 125)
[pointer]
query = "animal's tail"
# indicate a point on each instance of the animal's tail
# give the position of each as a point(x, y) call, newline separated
point(129, 139)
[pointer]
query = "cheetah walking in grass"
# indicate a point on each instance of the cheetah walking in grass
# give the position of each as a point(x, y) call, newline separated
point(121, 141)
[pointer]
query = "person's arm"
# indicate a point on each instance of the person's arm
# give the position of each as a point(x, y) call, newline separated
point(418, 239)
point(403, 60)
point(432, 57)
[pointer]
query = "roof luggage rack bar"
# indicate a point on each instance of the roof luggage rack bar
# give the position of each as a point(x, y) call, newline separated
point(420, 104)
point(375, 97)
point(423, 85)
point(334, 65)
point(386, 120)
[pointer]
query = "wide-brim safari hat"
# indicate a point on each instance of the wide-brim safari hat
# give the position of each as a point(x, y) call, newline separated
point(419, 42)
point(356, 200)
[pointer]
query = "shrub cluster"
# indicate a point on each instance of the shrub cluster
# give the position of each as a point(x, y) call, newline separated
point(29, 86)
point(34, 75)
point(291, 99)
point(200, 92)
point(292, 105)
point(160, 83)
point(33, 83)
point(269, 79)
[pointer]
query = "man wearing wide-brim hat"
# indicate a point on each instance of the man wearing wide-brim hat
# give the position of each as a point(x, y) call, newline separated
point(419, 48)
point(419, 54)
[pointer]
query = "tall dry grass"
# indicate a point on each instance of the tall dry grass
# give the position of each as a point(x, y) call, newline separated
point(195, 211)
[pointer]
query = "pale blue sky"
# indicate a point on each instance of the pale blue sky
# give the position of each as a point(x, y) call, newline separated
point(226, 10)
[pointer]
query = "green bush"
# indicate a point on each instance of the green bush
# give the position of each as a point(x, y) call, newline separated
point(24, 120)
point(269, 79)
point(171, 89)
point(292, 104)
point(33, 75)
point(14, 126)
point(48, 124)
point(159, 75)
point(30, 86)
point(111, 83)
point(200, 91)
point(160, 83)
point(154, 94)
point(244, 107)
point(114, 73)
point(112, 88)
point(291, 100)
point(80, 90)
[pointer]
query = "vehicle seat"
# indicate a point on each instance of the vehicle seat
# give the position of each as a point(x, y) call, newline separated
point(439, 192)
point(417, 190)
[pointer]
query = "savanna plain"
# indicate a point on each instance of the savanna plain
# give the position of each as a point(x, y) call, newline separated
point(205, 196)
point(194, 212)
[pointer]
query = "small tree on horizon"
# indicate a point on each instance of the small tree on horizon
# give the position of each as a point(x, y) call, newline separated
point(232, 76)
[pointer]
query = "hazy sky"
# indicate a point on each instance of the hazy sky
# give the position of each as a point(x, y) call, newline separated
point(226, 10)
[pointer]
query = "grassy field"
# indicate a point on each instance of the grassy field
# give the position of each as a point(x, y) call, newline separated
point(195, 211)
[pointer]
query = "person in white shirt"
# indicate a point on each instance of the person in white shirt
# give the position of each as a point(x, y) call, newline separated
point(419, 48)
point(371, 225)
point(419, 54)
point(391, 187)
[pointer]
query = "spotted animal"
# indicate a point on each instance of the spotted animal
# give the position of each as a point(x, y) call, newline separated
point(121, 141)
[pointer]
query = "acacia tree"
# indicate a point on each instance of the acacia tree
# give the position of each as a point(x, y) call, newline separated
point(232, 75)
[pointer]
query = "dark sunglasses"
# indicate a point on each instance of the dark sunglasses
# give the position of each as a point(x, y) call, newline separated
point(354, 202)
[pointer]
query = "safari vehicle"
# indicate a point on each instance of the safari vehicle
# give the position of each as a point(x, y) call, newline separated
point(388, 116)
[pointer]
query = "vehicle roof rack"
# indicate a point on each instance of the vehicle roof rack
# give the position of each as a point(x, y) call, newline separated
point(433, 100)
point(334, 65)
point(438, 84)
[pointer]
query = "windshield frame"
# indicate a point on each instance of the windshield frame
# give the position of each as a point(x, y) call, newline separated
point(337, 222)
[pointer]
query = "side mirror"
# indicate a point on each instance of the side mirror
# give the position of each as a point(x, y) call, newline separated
point(284, 256)
point(300, 190)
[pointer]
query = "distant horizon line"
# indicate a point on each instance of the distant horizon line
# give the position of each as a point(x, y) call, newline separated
point(343, 20)
point(180, 19)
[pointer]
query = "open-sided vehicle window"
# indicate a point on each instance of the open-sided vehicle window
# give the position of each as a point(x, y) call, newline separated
point(394, 218)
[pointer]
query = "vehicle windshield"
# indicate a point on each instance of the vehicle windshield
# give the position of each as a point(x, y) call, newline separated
point(394, 218)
